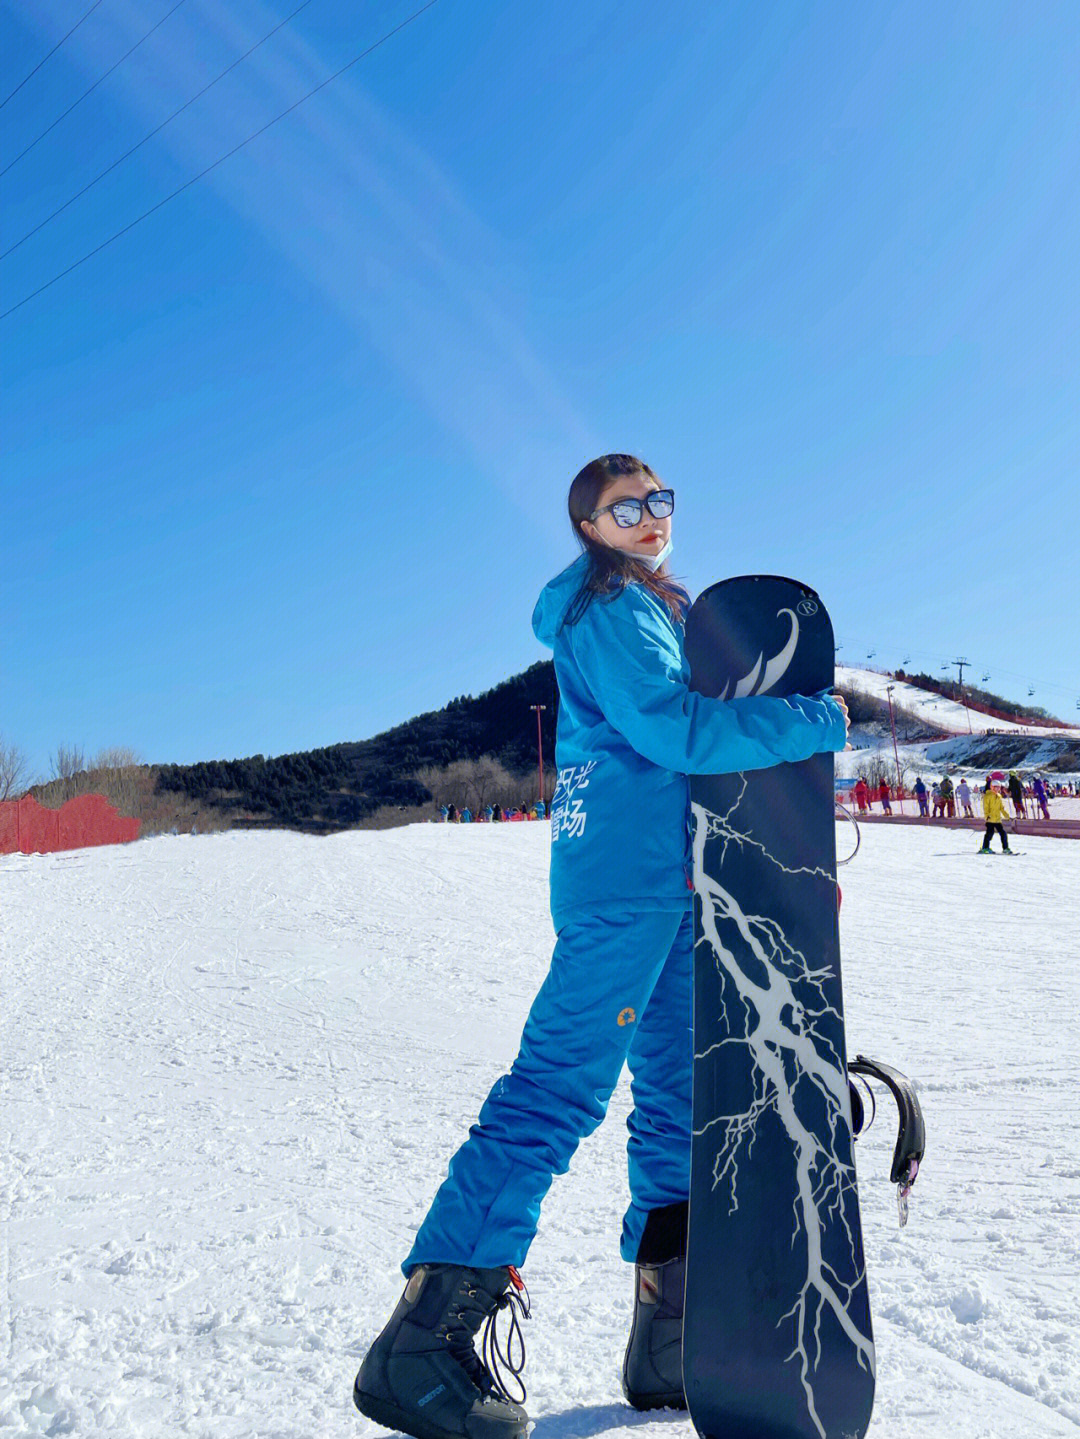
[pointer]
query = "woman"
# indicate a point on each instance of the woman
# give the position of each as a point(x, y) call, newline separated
point(619, 987)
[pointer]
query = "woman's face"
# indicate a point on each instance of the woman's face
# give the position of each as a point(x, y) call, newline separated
point(647, 537)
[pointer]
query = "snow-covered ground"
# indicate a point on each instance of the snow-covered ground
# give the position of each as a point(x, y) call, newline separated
point(235, 1067)
point(968, 751)
point(934, 709)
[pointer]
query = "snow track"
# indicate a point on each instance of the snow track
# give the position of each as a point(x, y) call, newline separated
point(235, 1068)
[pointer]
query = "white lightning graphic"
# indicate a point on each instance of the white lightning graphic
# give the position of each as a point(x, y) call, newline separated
point(781, 1003)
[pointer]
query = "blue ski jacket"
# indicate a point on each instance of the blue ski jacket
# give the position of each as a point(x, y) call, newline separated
point(630, 731)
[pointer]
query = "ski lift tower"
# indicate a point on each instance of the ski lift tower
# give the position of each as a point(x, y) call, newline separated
point(959, 665)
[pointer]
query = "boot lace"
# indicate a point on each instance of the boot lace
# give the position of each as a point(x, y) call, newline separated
point(516, 1299)
point(487, 1372)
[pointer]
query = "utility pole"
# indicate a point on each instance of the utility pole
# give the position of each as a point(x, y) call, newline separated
point(896, 753)
point(540, 746)
point(961, 663)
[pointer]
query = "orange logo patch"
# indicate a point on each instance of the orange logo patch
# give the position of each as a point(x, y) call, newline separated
point(626, 1017)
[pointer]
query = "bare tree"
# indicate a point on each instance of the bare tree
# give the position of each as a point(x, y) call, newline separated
point(116, 757)
point(472, 782)
point(445, 784)
point(68, 761)
point(14, 771)
point(863, 708)
point(489, 777)
point(880, 768)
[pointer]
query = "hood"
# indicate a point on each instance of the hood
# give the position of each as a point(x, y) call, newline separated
point(555, 599)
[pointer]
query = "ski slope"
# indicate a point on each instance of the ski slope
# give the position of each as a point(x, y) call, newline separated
point(235, 1067)
point(936, 710)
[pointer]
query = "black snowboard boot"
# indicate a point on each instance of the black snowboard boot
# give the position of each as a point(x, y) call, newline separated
point(652, 1367)
point(422, 1375)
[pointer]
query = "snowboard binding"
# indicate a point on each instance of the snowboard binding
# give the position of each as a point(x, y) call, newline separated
point(911, 1139)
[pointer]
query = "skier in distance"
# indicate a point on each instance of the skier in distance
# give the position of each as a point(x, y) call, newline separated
point(995, 814)
point(619, 987)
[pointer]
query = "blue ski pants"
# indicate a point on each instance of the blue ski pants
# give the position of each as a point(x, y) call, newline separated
point(619, 990)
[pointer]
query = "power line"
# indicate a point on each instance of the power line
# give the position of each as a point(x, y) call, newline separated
point(155, 131)
point(221, 160)
point(94, 86)
point(53, 51)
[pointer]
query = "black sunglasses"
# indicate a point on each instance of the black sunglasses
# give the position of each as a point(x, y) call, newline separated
point(627, 512)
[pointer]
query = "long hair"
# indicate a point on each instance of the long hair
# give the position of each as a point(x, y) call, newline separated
point(611, 570)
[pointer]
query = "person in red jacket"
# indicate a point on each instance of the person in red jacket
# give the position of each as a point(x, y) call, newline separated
point(883, 796)
point(862, 795)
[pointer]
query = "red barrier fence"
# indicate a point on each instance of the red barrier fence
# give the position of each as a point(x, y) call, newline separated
point(1055, 828)
point(26, 827)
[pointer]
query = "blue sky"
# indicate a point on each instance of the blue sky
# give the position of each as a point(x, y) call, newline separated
point(287, 463)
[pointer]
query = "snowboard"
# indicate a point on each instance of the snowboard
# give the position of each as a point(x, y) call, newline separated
point(777, 1340)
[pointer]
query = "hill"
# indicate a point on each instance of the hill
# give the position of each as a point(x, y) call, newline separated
point(937, 711)
point(483, 748)
point(935, 729)
point(489, 739)
point(982, 701)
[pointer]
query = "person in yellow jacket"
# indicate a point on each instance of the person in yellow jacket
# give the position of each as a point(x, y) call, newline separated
point(994, 810)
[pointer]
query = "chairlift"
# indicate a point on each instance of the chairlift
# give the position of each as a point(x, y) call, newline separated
point(906, 660)
point(870, 654)
point(1031, 689)
point(984, 679)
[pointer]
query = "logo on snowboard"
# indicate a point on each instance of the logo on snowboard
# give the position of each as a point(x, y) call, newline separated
point(759, 681)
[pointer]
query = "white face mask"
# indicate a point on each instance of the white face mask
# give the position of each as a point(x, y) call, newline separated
point(653, 562)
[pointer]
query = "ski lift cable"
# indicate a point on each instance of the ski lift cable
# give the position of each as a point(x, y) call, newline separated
point(1008, 674)
point(93, 87)
point(150, 135)
point(222, 158)
point(53, 51)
